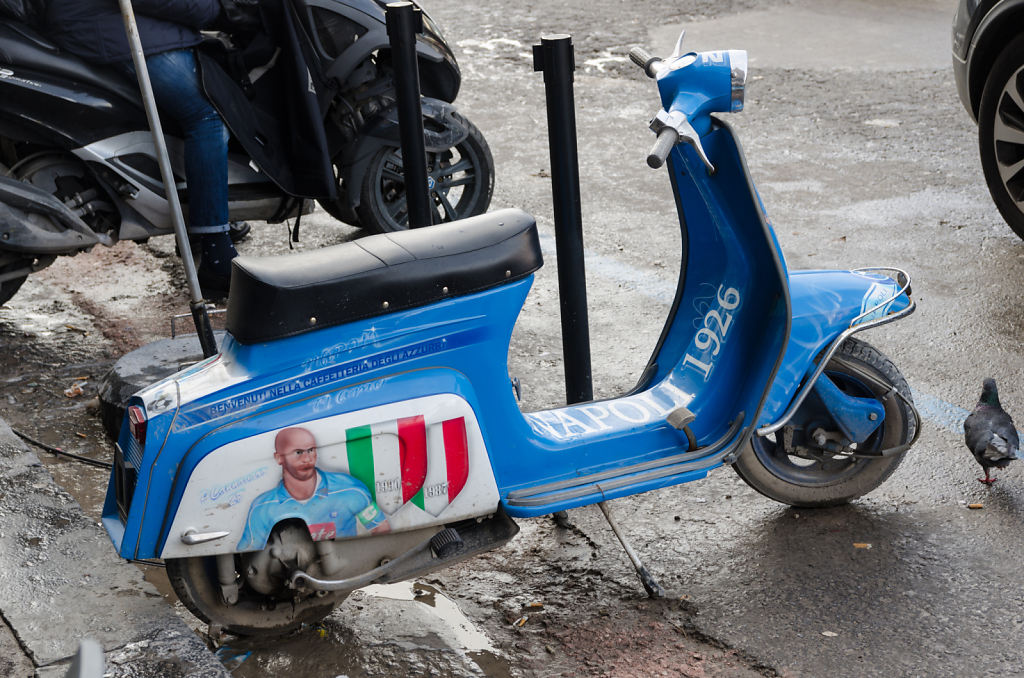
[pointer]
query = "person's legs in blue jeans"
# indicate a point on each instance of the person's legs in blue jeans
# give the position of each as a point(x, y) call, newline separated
point(179, 95)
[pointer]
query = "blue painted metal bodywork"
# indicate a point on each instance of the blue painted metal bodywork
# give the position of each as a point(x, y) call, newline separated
point(742, 335)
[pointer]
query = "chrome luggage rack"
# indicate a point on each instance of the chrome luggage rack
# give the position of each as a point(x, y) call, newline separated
point(864, 321)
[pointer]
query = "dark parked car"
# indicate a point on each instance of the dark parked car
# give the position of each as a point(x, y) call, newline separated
point(988, 62)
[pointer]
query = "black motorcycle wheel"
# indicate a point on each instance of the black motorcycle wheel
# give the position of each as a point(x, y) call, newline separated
point(461, 183)
point(1000, 134)
point(832, 480)
point(194, 581)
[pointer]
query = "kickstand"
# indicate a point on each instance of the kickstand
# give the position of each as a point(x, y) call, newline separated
point(561, 519)
point(651, 585)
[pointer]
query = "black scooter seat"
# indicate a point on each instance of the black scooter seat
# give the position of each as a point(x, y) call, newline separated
point(282, 296)
point(23, 47)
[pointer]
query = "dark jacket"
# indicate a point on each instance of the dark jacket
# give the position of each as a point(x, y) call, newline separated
point(279, 119)
point(94, 29)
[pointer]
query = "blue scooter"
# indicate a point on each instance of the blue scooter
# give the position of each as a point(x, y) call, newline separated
point(359, 426)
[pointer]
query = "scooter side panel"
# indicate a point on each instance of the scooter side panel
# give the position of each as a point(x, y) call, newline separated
point(437, 349)
point(52, 111)
point(423, 462)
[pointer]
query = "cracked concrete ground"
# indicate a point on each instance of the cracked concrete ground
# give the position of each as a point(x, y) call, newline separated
point(59, 584)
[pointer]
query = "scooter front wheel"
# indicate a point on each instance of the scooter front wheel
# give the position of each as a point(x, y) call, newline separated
point(799, 473)
point(194, 580)
point(460, 184)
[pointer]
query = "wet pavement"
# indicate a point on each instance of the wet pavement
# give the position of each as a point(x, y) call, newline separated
point(58, 586)
point(863, 156)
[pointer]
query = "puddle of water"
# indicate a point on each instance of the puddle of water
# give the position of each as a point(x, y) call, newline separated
point(463, 631)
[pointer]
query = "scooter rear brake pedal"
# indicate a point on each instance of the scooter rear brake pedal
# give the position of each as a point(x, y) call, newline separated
point(680, 417)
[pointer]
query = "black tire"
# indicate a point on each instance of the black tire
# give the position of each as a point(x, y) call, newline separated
point(797, 481)
point(1001, 133)
point(194, 580)
point(462, 183)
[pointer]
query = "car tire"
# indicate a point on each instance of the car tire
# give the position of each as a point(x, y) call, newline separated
point(1001, 134)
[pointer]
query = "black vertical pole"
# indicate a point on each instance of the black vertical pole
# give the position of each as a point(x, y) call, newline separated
point(404, 21)
point(554, 56)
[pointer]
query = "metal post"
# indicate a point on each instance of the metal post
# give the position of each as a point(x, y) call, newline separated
point(404, 21)
point(554, 56)
point(197, 304)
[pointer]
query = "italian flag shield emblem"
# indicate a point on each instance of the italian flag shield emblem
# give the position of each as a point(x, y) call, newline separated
point(405, 460)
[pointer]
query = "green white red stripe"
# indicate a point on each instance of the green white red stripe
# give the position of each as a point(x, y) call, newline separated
point(390, 458)
point(403, 461)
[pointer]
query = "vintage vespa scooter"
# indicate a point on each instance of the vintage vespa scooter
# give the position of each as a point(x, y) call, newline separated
point(358, 424)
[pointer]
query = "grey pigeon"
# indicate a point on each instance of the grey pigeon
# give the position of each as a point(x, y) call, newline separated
point(990, 434)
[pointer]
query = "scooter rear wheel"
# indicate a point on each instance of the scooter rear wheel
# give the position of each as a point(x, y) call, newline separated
point(194, 580)
point(827, 479)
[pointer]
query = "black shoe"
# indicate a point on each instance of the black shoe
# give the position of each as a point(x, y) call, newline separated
point(215, 286)
point(239, 230)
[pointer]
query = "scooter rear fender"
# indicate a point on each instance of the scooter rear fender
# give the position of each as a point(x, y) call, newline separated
point(34, 222)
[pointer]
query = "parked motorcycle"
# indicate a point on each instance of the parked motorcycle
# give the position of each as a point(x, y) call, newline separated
point(78, 168)
point(359, 426)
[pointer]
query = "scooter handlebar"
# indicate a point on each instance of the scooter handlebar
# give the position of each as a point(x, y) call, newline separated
point(642, 58)
point(668, 137)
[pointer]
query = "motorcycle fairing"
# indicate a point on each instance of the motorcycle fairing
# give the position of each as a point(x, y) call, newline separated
point(24, 47)
point(57, 113)
point(439, 72)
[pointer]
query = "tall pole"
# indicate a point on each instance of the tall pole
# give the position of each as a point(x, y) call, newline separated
point(554, 56)
point(404, 20)
point(197, 303)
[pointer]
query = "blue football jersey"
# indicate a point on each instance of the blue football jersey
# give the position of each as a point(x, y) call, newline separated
point(338, 502)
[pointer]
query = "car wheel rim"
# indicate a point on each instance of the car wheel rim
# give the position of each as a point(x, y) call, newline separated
point(1008, 137)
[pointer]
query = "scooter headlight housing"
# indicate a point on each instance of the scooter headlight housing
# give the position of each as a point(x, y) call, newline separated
point(738, 69)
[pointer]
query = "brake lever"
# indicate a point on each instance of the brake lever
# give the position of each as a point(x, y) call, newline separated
point(684, 129)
